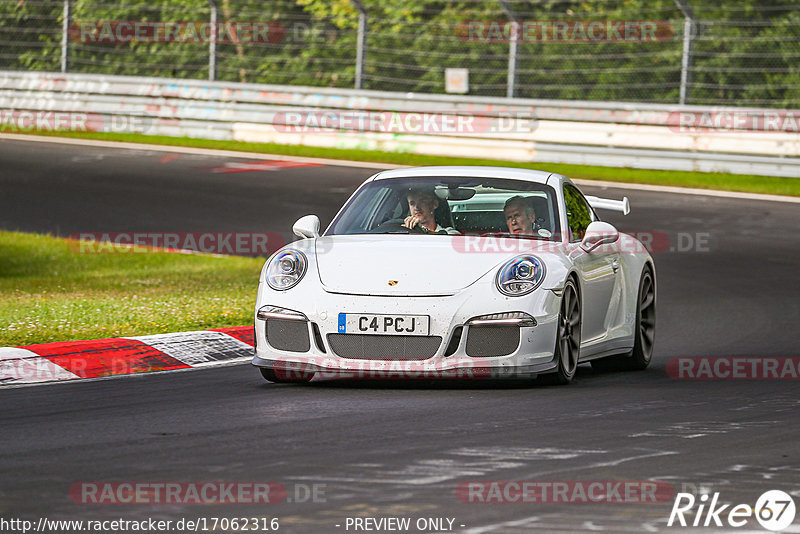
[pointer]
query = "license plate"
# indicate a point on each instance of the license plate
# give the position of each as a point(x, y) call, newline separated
point(407, 325)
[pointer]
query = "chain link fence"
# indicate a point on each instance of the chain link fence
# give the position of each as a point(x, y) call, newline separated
point(742, 53)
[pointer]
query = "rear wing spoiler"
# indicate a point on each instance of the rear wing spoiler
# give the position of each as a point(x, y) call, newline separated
point(623, 206)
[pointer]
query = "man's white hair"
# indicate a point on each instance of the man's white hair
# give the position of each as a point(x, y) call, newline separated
point(522, 201)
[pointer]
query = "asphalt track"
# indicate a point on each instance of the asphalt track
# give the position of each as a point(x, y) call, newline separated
point(401, 449)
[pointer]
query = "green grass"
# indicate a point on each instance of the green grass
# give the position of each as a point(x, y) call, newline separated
point(49, 292)
point(722, 181)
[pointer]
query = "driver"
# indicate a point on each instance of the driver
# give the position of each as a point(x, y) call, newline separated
point(520, 216)
point(422, 204)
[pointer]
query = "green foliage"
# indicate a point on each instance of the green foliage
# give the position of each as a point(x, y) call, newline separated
point(744, 53)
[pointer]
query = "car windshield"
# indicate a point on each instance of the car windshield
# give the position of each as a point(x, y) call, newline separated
point(467, 206)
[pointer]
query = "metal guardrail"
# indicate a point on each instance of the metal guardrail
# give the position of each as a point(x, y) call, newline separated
point(608, 133)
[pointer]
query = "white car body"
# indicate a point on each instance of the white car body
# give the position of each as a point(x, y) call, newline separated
point(451, 279)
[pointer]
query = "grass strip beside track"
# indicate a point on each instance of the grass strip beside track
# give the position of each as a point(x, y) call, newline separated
point(702, 180)
point(50, 292)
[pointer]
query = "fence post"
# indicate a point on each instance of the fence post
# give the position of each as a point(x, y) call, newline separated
point(65, 36)
point(511, 82)
point(212, 42)
point(361, 43)
point(686, 59)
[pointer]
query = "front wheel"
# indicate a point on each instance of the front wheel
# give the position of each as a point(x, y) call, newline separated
point(286, 376)
point(568, 337)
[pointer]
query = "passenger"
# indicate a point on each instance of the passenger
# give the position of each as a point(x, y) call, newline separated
point(422, 204)
point(520, 216)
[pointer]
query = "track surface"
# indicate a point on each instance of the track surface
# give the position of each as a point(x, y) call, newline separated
point(398, 448)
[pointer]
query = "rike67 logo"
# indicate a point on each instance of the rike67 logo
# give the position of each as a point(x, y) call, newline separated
point(774, 510)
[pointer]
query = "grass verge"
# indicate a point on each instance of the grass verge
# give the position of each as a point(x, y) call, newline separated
point(50, 293)
point(747, 183)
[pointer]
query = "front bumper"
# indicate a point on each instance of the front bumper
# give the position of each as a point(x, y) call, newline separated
point(449, 316)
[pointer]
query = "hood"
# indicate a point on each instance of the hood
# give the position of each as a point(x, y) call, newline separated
point(420, 265)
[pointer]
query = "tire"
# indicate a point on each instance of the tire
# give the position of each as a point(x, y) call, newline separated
point(645, 323)
point(280, 378)
point(568, 337)
point(645, 329)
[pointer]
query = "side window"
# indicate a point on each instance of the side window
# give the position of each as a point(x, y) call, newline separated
point(579, 213)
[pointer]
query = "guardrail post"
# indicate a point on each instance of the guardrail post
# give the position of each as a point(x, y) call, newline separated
point(686, 59)
point(511, 82)
point(361, 42)
point(212, 42)
point(65, 36)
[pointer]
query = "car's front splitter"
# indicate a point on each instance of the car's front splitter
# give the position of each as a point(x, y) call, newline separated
point(458, 368)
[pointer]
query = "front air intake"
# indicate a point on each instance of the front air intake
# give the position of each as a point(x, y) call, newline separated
point(286, 335)
point(375, 347)
point(490, 341)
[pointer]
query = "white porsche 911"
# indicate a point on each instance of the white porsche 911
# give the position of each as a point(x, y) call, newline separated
point(457, 272)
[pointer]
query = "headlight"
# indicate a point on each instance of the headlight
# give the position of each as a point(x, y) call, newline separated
point(521, 275)
point(286, 269)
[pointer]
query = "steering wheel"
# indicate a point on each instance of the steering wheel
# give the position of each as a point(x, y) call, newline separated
point(395, 226)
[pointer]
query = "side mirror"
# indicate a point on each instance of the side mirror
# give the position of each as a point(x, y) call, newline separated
point(599, 233)
point(307, 226)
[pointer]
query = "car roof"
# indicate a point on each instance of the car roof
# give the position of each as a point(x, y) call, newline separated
point(529, 175)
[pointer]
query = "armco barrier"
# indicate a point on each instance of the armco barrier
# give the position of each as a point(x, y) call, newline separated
point(595, 133)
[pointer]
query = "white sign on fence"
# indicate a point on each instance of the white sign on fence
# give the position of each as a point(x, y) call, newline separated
point(456, 81)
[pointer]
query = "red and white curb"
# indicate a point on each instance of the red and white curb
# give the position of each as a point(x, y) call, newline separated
point(73, 360)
